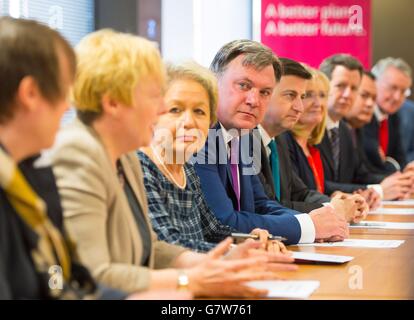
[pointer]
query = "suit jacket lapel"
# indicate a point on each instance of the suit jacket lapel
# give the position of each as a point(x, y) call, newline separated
point(284, 174)
point(133, 173)
point(326, 149)
point(224, 169)
point(266, 169)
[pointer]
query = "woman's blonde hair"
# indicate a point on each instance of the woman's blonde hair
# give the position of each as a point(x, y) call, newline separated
point(318, 132)
point(191, 70)
point(112, 63)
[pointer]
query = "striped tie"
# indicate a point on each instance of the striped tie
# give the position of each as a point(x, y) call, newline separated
point(335, 150)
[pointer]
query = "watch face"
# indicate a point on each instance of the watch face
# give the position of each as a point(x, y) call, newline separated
point(183, 281)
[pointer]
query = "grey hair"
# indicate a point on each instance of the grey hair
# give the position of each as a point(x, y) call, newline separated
point(398, 63)
point(255, 54)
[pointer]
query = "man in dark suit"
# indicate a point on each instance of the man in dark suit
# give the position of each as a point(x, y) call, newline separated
point(382, 139)
point(396, 185)
point(342, 167)
point(285, 107)
point(279, 179)
point(247, 74)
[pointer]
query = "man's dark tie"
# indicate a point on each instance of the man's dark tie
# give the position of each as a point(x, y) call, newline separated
point(335, 150)
point(234, 160)
point(274, 163)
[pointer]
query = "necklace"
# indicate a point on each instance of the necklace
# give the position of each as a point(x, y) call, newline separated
point(170, 175)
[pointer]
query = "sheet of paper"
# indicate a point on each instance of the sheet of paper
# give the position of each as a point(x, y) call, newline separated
point(408, 202)
point(383, 225)
point(292, 289)
point(319, 257)
point(394, 211)
point(358, 243)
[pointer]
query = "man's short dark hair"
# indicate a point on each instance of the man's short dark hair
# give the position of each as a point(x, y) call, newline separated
point(293, 68)
point(255, 54)
point(370, 75)
point(329, 64)
point(28, 48)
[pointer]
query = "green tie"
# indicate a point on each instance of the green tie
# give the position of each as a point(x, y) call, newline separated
point(274, 163)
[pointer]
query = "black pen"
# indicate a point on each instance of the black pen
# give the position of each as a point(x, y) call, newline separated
point(255, 236)
point(368, 224)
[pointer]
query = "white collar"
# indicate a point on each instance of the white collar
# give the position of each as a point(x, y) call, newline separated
point(330, 124)
point(228, 135)
point(379, 114)
point(265, 136)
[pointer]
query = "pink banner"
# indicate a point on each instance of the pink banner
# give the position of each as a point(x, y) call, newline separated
point(311, 30)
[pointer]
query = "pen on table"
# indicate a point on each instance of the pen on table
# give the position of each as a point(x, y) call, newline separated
point(255, 236)
point(368, 224)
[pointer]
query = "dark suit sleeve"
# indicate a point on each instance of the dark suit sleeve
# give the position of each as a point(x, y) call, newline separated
point(410, 153)
point(398, 150)
point(406, 115)
point(294, 193)
point(5, 291)
point(331, 187)
point(371, 145)
point(362, 174)
point(274, 218)
point(303, 198)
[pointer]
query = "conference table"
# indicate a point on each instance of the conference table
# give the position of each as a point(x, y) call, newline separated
point(374, 273)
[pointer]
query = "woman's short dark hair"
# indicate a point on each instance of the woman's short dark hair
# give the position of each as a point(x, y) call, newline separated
point(29, 48)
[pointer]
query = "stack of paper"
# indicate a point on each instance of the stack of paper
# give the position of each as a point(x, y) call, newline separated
point(393, 211)
point(358, 243)
point(383, 225)
point(409, 202)
point(319, 257)
point(286, 289)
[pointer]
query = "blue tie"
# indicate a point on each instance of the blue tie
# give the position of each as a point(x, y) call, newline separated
point(274, 163)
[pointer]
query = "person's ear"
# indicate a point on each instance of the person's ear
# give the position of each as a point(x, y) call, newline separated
point(28, 94)
point(110, 105)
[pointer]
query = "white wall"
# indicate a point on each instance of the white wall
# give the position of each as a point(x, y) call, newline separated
point(196, 29)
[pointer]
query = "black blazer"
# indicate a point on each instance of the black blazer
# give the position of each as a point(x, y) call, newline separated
point(299, 162)
point(395, 147)
point(353, 174)
point(294, 193)
point(18, 276)
point(380, 174)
